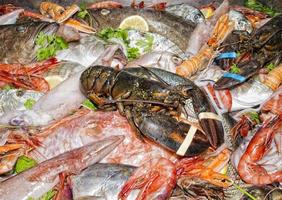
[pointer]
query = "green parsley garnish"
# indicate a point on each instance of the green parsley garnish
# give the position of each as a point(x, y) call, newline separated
point(132, 53)
point(109, 33)
point(28, 104)
point(121, 34)
point(146, 44)
point(49, 195)
point(258, 6)
point(270, 67)
point(82, 14)
point(83, 11)
point(255, 117)
point(235, 69)
point(88, 104)
point(24, 163)
point(49, 45)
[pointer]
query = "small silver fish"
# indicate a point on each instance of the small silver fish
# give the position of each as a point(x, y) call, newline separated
point(241, 22)
point(163, 60)
point(187, 12)
point(93, 51)
point(14, 99)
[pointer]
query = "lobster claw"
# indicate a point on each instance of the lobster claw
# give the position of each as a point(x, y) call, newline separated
point(176, 136)
point(231, 80)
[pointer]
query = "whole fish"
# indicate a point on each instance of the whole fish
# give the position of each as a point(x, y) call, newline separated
point(162, 23)
point(187, 12)
point(93, 50)
point(249, 95)
point(35, 182)
point(163, 60)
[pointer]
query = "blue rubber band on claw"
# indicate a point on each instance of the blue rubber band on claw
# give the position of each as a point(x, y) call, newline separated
point(227, 55)
point(236, 77)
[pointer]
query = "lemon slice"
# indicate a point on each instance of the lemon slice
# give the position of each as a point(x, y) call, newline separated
point(54, 80)
point(135, 22)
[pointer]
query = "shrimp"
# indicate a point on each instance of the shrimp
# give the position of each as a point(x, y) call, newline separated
point(57, 12)
point(273, 105)
point(274, 78)
point(248, 168)
point(156, 179)
point(205, 168)
point(207, 53)
point(27, 76)
point(105, 5)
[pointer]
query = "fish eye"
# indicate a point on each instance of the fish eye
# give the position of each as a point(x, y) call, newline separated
point(105, 12)
point(21, 29)
point(197, 17)
point(176, 60)
point(20, 93)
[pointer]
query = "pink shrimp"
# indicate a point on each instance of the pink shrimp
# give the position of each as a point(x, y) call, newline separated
point(248, 168)
point(156, 179)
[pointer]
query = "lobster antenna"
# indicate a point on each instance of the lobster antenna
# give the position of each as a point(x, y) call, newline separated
point(141, 101)
point(152, 73)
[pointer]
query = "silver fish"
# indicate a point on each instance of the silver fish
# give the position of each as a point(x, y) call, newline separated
point(160, 43)
point(14, 99)
point(248, 95)
point(102, 181)
point(35, 182)
point(241, 22)
point(92, 50)
point(187, 12)
point(162, 23)
point(163, 60)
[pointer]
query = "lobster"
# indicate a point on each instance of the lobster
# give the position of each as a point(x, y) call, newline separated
point(262, 46)
point(154, 102)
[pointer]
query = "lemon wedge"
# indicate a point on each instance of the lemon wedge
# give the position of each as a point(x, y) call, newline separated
point(135, 22)
point(54, 80)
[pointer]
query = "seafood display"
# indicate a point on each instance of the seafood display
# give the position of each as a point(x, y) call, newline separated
point(140, 100)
